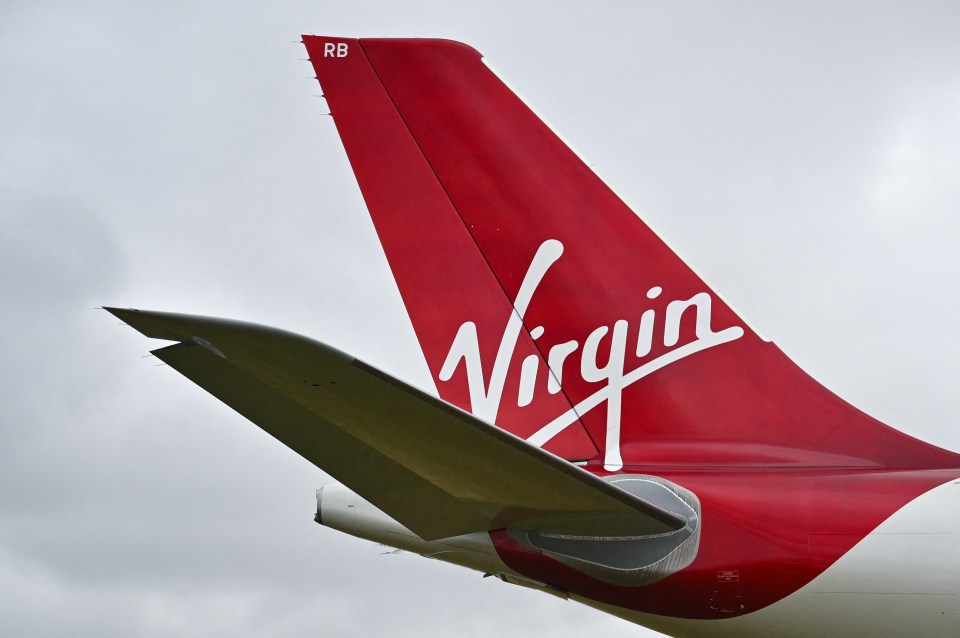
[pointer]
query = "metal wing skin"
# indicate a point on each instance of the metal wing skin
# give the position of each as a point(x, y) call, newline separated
point(434, 468)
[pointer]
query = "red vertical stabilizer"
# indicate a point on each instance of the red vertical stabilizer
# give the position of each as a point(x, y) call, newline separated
point(544, 304)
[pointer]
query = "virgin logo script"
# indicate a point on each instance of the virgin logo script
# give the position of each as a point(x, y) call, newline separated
point(486, 387)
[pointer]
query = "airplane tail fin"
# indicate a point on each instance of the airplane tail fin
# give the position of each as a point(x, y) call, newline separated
point(543, 303)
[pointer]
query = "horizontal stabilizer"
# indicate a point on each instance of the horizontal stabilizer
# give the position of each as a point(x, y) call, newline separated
point(433, 467)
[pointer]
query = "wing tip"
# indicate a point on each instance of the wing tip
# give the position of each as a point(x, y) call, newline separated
point(148, 323)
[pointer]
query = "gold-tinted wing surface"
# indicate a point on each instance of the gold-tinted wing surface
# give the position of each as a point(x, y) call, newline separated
point(436, 469)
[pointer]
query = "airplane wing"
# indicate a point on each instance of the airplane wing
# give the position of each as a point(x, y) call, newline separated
point(431, 466)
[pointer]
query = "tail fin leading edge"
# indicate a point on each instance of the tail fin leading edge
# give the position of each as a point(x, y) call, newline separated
point(543, 303)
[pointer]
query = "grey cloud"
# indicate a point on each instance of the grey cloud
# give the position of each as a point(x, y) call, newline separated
point(172, 156)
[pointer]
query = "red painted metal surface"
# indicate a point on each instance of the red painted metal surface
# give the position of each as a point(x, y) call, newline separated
point(465, 185)
point(442, 276)
point(776, 530)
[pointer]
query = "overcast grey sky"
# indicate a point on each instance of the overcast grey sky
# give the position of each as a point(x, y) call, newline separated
point(171, 156)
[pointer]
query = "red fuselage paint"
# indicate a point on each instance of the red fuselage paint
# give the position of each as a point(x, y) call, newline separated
point(775, 529)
